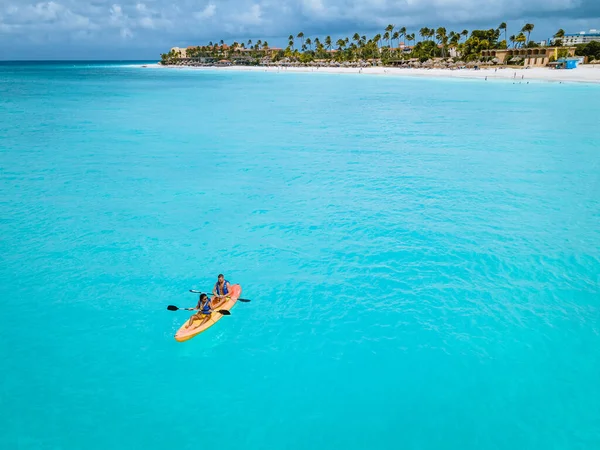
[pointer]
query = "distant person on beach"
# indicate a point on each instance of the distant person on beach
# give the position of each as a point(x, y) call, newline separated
point(205, 309)
point(221, 290)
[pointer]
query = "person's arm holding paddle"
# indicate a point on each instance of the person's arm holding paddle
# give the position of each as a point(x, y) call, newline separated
point(221, 290)
point(199, 307)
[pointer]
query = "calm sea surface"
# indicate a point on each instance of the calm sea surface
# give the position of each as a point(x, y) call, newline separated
point(422, 256)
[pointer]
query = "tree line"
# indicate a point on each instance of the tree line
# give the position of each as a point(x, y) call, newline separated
point(385, 46)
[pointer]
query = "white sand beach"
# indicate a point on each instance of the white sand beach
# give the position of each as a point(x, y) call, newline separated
point(582, 74)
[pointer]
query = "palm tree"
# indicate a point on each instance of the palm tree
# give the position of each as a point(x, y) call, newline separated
point(411, 37)
point(502, 26)
point(376, 39)
point(291, 41)
point(442, 38)
point(396, 37)
point(309, 43)
point(402, 33)
point(341, 44)
point(319, 46)
point(424, 32)
point(386, 37)
point(390, 32)
point(465, 33)
point(249, 42)
point(520, 39)
point(356, 37)
point(265, 45)
point(328, 42)
point(301, 36)
point(528, 28)
point(513, 40)
point(454, 38)
point(558, 37)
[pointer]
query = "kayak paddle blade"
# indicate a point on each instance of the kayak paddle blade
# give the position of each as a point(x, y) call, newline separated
point(224, 312)
point(245, 300)
point(172, 308)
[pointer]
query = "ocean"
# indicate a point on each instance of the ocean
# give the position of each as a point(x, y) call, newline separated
point(422, 258)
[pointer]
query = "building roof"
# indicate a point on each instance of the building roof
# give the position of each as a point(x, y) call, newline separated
point(584, 33)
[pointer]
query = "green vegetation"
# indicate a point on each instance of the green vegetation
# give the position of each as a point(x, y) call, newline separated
point(393, 46)
point(591, 50)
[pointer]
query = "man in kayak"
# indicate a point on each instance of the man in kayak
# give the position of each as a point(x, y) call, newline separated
point(221, 290)
point(205, 307)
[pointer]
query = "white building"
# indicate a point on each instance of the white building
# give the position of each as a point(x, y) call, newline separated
point(582, 37)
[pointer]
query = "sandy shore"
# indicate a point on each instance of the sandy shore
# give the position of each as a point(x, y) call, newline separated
point(583, 74)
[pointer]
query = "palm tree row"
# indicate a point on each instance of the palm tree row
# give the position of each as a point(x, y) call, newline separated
point(388, 45)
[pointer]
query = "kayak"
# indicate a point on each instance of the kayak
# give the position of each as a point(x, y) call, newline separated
point(183, 334)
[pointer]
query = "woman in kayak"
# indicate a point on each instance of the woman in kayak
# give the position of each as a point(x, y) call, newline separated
point(221, 290)
point(205, 307)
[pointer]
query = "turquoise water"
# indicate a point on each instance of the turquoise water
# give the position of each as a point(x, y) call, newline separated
point(422, 256)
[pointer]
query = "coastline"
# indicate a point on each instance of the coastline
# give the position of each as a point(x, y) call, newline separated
point(582, 74)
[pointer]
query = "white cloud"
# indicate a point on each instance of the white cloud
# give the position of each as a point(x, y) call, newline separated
point(253, 16)
point(208, 11)
point(147, 22)
point(161, 24)
point(116, 11)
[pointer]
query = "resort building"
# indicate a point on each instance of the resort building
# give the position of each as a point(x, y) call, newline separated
point(581, 38)
point(182, 52)
point(533, 57)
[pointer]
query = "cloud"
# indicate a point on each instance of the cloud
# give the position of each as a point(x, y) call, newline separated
point(249, 18)
point(208, 11)
point(102, 25)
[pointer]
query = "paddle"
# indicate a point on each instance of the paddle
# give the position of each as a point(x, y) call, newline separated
point(243, 300)
point(175, 308)
point(223, 312)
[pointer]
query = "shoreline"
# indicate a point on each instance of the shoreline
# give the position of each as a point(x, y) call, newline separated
point(582, 74)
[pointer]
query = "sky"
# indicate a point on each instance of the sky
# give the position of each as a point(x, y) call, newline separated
point(142, 29)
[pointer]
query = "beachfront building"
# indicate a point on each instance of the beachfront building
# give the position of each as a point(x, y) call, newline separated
point(532, 57)
point(182, 52)
point(582, 37)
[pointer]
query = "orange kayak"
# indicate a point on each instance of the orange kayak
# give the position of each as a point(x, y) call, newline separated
point(197, 327)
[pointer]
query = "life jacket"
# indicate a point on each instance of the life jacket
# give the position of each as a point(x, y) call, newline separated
point(206, 307)
point(225, 291)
